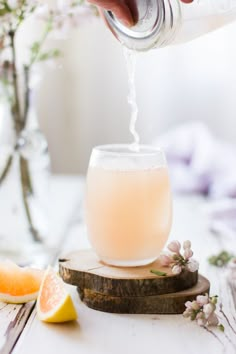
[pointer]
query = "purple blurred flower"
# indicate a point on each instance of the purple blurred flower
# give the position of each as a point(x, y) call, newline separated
point(199, 162)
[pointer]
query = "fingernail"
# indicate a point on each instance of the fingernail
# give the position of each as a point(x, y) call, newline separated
point(126, 23)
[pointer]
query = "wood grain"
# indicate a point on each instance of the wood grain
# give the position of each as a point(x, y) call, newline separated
point(19, 315)
point(98, 332)
point(84, 270)
point(13, 318)
point(173, 303)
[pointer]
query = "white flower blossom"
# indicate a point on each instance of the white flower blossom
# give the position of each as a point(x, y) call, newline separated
point(186, 245)
point(188, 253)
point(188, 304)
point(178, 261)
point(14, 4)
point(203, 311)
point(192, 265)
point(177, 269)
point(174, 246)
point(42, 12)
point(208, 309)
point(165, 260)
point(213, 320)
point(201, 322)
point(203, 299)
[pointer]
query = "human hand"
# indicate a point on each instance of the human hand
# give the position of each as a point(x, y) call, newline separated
point(125, 10)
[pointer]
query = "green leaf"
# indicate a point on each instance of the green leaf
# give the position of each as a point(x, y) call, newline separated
point(220, 259)
point(221, 327)
point(35, 47)
point(54, 53)
point(158, 272)
point(3, 12)
point(214, 299)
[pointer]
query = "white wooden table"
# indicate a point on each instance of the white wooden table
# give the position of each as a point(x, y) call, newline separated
point(103, 333)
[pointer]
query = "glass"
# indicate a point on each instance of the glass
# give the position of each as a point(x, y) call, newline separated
point(24, 182)
point(128, 204)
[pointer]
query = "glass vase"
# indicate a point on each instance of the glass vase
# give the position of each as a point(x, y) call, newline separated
point(24, 182)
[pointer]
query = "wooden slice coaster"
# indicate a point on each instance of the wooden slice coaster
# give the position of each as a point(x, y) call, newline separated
point(173, 303)
point(84, 270)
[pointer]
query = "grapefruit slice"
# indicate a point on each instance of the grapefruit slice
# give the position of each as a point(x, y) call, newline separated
point(17, 284)
point(54, 303)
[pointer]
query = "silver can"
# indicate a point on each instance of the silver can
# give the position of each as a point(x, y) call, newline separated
point(163, 22)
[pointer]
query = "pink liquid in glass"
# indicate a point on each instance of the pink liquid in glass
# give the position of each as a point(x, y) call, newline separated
point(128, 213)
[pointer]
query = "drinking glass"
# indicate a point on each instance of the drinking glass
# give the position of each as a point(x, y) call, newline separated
point(128, 204)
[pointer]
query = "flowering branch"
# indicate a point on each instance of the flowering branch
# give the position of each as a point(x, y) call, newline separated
point(12, 15)
point(16, 106)
point(203, 311)
point(26, 184)
point(178, 261)
point(37, 46)
point(6, 169)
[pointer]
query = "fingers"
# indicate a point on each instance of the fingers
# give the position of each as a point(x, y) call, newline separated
point(119, 8)
point(124, 10)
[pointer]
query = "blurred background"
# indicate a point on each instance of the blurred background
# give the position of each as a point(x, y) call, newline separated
point(82, 101)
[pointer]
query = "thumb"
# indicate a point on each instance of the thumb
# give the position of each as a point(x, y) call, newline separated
point(119, 8)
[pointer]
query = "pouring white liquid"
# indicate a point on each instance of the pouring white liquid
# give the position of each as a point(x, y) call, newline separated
point(131, 59)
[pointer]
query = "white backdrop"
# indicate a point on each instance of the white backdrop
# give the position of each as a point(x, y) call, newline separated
point(83, 101)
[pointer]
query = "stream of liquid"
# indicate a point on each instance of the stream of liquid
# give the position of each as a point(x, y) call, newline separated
point(131, 59)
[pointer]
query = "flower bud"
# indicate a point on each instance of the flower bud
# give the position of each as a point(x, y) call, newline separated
point(186, 244)
point(188, 304)
point(214, 299)
point(188, 253)
point(195, 305)
point(232, 264)
point(208, 309)
point(177, 269)
point(192, 265)
point(201, 322)
point(165, 260)
point(187, 313)
point(213, 320)
point(13, 4)
point(202, 299)
point(174, 246)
